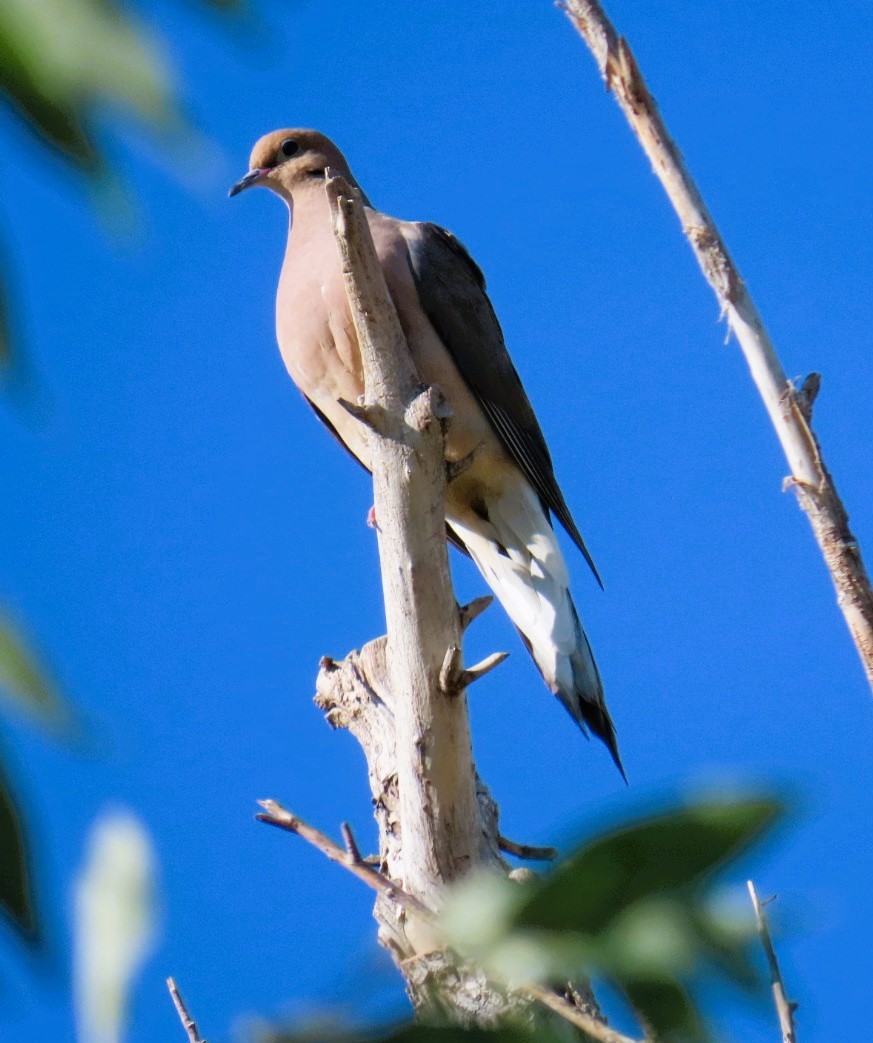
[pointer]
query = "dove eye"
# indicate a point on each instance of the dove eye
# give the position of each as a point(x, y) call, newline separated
point(288, 147)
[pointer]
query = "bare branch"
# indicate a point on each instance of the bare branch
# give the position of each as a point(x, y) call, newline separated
point(375, 417)
point(482, 668)
point(785, 1008)
point(451, 670)
point(275, 815)
point(473, 610)
point(439, 811)
point(356, 694)
point(454, 678)
point(440, 819)
point(188, 1022)
point(527, 851)
point(789, 410)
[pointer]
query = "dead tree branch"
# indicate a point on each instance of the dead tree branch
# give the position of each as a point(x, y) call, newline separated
point(443, 835)
point(436, 820)
point(356, 694)
point(527, 851)
point(275, 815)
point(784, 1007)
point(188, 1023)
point(789, 408)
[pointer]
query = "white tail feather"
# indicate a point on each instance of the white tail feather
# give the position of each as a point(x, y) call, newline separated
point(518, 554)
point(515, 547)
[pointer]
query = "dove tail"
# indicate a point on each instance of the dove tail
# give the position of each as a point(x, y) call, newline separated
point(514, 546)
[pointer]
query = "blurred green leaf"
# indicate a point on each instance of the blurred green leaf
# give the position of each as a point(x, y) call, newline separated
point(62, 61)
point(16, 886)
point(669, 852)
point(653, 937)
point(666, 1011)
point(26, 686)
point(64, 65)
point(114, 924)
point(727, 943)
point(635, 906)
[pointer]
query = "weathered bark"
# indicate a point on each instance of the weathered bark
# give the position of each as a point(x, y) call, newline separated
point(356, 694)
point(436, 821)
point(789, 407)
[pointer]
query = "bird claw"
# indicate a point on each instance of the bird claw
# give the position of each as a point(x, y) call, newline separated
point(455, 468)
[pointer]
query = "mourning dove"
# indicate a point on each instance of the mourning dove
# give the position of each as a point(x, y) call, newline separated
point(497, 510)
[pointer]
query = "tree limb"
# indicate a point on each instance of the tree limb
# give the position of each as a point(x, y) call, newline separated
point(275, 815)
point(443, 835)
point(356, 694)
point(790, 410)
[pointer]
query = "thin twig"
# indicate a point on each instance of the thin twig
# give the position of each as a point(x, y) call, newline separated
point(789, 411)
point(473, 609)
point(527, 851)
point(478, 670)
point(565, 1009)
point(785, 1007)
point(275, 815)
point(188, 1022)
point(451, 670)
point(454, 678)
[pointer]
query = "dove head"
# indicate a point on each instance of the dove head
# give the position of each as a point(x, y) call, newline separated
point(288, 161)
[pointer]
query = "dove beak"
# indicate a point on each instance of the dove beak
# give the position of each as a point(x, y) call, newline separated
point(245, 182)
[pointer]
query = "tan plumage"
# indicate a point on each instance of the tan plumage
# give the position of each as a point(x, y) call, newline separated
point(498, 509)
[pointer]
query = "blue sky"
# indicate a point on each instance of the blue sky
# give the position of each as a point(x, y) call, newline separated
point(186, 541)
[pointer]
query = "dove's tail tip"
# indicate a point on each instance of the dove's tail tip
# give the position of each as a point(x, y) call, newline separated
point(596, 717)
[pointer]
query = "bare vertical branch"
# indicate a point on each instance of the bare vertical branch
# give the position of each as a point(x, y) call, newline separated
point(188, 1023)
point(789, 408)
point(784, 1007)
point(439, 812)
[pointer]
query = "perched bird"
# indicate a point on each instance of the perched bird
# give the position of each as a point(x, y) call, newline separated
point(498, 509)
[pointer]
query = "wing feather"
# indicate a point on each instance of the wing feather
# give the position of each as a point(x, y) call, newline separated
point(451, 288)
